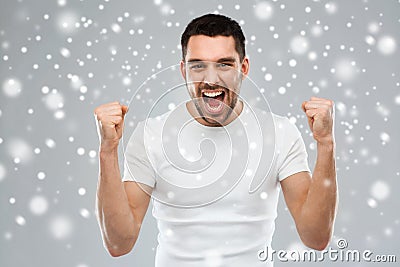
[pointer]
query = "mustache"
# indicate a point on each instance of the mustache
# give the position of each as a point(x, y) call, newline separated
point(208, 86)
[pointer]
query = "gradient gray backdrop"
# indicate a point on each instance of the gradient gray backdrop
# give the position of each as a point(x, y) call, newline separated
point(60, 59)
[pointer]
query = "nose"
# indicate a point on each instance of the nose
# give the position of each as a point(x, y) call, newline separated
point(211, 75)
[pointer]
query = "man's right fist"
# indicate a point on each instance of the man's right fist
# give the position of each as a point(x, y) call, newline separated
point(110, 123)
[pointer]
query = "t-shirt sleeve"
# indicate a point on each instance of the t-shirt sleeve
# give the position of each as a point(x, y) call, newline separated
point(137, 165)
point(294, 154)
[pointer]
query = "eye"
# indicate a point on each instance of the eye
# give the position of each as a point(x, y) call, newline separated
point(197, 66)
point(224, 65)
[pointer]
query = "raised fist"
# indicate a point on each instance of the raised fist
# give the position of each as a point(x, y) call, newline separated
point(110, 123)
point(320, 115)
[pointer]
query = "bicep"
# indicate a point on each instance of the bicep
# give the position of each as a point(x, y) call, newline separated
point(139, 196)
point(295, 189)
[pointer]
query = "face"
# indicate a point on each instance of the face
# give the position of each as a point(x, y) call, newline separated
point(213, 73)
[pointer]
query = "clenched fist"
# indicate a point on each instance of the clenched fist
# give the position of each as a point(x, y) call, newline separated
point(320, 115)
point(110, 123)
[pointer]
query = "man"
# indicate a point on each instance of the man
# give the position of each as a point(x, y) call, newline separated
point(230, 228)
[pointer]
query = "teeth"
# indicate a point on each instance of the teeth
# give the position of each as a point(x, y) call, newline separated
point(214, 108)
point(212, 94)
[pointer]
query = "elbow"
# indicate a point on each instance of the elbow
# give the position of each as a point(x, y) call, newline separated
point(318, 243)
point(121, 248)
point(116, 252)
point(321, 245)
point(317, 239)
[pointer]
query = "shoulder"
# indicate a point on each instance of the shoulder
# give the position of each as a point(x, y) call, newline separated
point(154, 122)
point(286, 131)
point(284, 125)
point(280, 122)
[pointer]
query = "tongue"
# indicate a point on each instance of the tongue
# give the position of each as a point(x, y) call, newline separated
point(213, 102)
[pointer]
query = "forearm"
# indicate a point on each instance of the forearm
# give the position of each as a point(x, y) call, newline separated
point(113, 211)
point(319, 209)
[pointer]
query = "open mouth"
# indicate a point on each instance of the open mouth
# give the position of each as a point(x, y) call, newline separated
point(214, 100)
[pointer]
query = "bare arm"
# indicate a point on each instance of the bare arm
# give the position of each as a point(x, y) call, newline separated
point(120, 206)
point(313, 201)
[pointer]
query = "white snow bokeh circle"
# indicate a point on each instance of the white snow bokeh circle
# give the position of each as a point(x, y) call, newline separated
point(331, 7)
point(61, 227)
point(67, 22)
point(263, 10)
point(38, 205)
point(380, 190)
point(12, 87)
point(386, 45)
point(299, 45)
point(54, 100)
point(20, 150)
point(345, 70)
point(20, 220)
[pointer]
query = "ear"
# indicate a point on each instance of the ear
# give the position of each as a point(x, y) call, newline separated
point(245, 67)
point(183, 69)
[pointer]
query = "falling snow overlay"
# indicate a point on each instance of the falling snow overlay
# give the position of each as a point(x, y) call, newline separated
point(61, 59)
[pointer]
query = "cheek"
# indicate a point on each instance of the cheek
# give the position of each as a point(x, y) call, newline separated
point(192, 88)
point(233, 88)
point(232, 81)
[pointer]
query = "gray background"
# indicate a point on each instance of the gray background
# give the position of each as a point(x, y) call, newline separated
point(48, 139)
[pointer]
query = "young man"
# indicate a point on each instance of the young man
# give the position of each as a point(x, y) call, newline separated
point(207, 229)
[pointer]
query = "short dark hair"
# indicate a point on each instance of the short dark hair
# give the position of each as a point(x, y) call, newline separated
point(214, 25)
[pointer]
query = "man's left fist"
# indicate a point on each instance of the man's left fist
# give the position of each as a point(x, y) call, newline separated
point(320, 115)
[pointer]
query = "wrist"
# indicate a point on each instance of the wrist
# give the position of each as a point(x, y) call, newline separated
point(108, 147)
point(328, 144)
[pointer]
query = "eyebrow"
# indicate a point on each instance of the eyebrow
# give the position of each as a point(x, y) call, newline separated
point(224, 59)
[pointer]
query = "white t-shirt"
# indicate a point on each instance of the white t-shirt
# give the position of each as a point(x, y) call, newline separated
point(215, 189)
